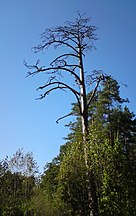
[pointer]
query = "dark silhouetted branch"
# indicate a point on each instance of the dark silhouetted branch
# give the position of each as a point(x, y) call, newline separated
point(50, 70)
point(62, 86)
point(57, 121)
point(101, 77)
point(62, 56)
point(50, 90)
point(60, 83)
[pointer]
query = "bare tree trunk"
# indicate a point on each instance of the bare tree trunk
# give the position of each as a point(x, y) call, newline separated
point(90, 178)
point(78, 37)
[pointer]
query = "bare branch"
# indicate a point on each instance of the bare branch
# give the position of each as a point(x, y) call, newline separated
point(71, 39)
point(51, 79)
point(50, 70)
point(62, 86)
point(66, 31)
point(53, 42)
point(64, 55)
point(77, 37)
point(57, 121)
point(59, 83)
point(101, 77)
point(50, 90)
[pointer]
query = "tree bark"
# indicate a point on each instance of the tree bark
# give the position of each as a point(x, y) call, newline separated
point(90, 177)
point(78, 37)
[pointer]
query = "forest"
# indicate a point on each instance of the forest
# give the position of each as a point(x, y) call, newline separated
point(94, 173)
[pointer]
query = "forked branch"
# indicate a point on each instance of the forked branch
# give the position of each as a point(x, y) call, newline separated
point(99, 79)
point(64, 56)
point(62, 86)
point(50, 90)
point(51, 70)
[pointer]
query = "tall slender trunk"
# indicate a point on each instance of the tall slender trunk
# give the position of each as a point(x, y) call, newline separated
point(90, 178)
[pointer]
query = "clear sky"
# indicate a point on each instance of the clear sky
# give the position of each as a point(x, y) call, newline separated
point(28, 123)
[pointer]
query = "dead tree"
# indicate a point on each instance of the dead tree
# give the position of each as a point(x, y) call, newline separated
point(76, 37)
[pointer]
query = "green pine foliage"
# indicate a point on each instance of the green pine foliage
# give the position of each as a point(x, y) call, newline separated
point(62, 189)
point(111, 152)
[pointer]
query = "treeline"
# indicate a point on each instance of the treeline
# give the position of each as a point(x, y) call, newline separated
point(62, 190)
point(17, 182)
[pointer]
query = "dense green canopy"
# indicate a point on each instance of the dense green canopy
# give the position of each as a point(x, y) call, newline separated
point(62, 190)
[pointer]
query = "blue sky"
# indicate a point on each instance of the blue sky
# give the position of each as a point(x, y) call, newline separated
point(28, 123)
